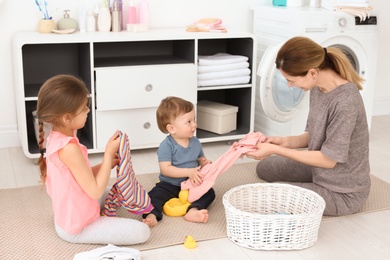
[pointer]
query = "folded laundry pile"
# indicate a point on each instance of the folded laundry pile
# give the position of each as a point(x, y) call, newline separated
point(223, 69)
point(360, 8)
point(207, 25)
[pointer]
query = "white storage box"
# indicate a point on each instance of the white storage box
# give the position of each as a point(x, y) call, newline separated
point(272, 216)
point(216, 117)
point(46, 128)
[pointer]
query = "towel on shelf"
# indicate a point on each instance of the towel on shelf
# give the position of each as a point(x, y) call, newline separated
point(223, 67)
point(220, 59)
point(360, 8)
point(223, 74)
point(224, 81)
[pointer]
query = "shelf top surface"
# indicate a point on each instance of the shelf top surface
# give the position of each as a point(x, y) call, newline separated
point(34, 37)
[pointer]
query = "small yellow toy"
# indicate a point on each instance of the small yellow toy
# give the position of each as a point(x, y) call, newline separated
point(177, 207)
point(190, 243)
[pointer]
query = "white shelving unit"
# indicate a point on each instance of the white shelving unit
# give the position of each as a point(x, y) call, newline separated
point(127, 75)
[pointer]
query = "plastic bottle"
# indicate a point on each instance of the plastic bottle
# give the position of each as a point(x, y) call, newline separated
point(104, 18)
point(143, 14)
point(117, 16)
point(82, 18)
point(315, 3)
point(131, 13)
point(91, 22)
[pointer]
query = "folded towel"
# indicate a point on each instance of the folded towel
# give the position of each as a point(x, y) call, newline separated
point(223, 67)
point(361, 12)
point(220, 59)
point(224, 81)
point(224, 74)
point(360, 8)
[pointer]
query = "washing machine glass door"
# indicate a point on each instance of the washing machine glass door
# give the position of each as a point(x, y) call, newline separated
point(280, 102)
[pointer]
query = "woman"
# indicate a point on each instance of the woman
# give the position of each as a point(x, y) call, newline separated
point(335, 163)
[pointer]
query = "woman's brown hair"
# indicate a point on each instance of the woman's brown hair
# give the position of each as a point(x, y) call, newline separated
point(59, 95)
point(300, 54)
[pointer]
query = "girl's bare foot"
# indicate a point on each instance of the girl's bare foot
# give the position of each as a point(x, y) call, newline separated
point(196, 215)
point(150, 220)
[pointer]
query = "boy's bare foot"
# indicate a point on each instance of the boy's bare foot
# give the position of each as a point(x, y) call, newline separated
point(196, 215)
point(150, 220)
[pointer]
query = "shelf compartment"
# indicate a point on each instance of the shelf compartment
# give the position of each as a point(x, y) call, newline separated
point(83, 134)
point(112, 54)
point(42, 61)
point(239, 97)
point(235, 46)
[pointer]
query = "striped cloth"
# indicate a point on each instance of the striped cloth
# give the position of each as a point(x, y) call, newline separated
point(126, 192)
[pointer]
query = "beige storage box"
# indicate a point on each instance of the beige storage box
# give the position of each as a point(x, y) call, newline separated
point(216, 117)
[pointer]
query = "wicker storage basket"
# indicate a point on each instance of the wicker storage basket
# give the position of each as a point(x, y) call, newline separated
point(270, 216)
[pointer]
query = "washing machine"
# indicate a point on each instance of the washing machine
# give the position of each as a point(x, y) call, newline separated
point(280, 110)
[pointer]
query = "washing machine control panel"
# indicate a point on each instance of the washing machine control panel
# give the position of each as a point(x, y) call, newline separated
point(343, 22)
point(368, 21)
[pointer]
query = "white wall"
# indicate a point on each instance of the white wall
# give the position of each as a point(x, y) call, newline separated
point(23, 15)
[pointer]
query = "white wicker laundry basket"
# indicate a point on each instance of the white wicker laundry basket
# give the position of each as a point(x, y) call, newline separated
point(271, 216)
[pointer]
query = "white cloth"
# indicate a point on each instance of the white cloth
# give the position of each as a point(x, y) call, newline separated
point(220, 59)
point(109, 252)
point(223, 67)
point(333, 4)
point(224, 74)
point(224, 81)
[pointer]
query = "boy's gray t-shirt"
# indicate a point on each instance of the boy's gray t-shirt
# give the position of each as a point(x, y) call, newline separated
point(181, 157)
point(337, 126)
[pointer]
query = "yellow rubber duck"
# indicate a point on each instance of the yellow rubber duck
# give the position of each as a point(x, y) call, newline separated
point(190, 243)
point(177, 207)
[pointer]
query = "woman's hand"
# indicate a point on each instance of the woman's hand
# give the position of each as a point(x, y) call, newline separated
point(263, 151)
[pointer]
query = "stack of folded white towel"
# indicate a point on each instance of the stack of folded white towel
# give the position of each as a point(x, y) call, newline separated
point(223, 69)
point(360, 8)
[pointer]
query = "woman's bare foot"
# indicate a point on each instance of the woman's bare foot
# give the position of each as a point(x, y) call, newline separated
point(150, 220)
point(196, 215)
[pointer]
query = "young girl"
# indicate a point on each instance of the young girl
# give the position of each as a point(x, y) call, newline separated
point(180, 157)
point(76, 189)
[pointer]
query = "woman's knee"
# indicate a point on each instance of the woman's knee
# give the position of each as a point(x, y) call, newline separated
point(262, 171)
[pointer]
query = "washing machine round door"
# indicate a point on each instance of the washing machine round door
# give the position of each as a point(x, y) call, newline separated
point(280, 102)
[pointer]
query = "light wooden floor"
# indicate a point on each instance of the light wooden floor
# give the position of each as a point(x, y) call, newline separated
point(364, 236)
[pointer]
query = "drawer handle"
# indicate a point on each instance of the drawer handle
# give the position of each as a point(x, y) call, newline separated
point(149, 87)
point(147, 125)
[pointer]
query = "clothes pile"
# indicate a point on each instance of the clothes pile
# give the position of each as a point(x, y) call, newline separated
point(223, 69)
point(360, 8)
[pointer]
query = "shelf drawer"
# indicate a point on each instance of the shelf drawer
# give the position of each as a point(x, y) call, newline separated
point(139, 124)
point(143, 86)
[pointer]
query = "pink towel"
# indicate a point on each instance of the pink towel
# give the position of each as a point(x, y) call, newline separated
point(126, 192)
point(212, 170)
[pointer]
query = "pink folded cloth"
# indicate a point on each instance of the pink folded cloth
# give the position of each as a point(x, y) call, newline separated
point(211, 171)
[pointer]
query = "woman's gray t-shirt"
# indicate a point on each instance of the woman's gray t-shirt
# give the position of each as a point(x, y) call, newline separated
point(337, 126)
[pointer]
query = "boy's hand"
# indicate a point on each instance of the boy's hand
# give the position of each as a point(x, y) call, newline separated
point(203, 161)
point(195, 176)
